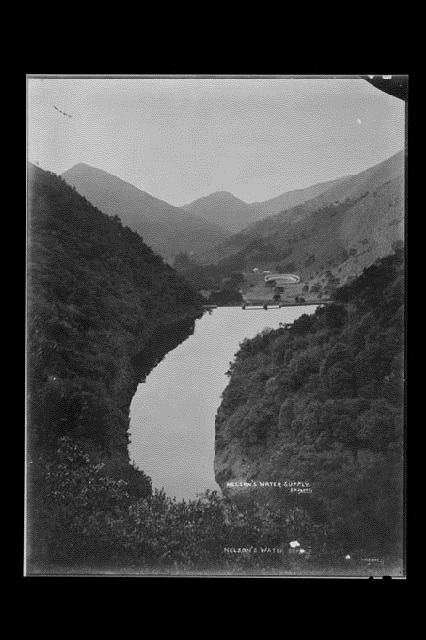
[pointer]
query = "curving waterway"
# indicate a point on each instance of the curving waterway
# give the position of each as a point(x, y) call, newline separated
point(172, 415)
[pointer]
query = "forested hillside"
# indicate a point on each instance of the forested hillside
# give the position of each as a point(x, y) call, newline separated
point(96, 295)
point(97, 292)
point(322, 402)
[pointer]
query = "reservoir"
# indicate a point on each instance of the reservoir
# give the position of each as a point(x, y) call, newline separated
point(172, 415)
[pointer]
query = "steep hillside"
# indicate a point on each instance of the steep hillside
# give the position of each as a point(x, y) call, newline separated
point(167, 229)
point(342, 230)
point(354, 186)
point(97, 293)
point(103, 309)
point(321, 404)
point(293, 198)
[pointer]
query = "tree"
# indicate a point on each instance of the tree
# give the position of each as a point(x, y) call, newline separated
point(182, 261)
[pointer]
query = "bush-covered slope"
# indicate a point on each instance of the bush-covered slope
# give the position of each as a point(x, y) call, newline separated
point(96, 294)
point(322, 402)
point(101, 306)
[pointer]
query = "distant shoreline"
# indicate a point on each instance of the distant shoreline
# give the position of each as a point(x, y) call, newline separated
point(270, 304)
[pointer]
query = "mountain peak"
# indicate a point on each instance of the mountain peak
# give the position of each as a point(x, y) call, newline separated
point(80, 165)
point(223, 196)
point(167, 229)
point(222, 208)
point(226, 194)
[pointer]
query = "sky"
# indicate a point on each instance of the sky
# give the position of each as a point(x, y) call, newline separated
point(180, 139)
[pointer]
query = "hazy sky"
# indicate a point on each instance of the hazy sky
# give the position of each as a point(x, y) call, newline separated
point(180, 139)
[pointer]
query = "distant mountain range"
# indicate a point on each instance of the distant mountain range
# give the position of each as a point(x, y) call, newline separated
point(195, 228)
point(224, 209)
point(346, 227)
point(233, 214)
point(345, 223)
point(167, 229)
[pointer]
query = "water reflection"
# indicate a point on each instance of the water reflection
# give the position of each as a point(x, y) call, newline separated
point(164, 339)
point(173, 412)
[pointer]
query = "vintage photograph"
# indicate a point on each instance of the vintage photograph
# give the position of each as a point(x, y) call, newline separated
point(215, 326)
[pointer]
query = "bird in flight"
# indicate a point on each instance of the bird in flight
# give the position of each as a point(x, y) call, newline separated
point(63, 112)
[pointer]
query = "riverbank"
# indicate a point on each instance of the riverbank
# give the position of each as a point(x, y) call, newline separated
point(320, 404)
point(97, 297)
point(173, 411)
point(269, 303)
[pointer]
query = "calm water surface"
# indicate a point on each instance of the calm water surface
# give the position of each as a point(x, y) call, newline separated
point(172, 416)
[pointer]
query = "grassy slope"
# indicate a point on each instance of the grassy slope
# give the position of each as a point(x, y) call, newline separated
point(348, 226)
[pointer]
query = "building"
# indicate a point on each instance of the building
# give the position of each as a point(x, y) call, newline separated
point(281, 279)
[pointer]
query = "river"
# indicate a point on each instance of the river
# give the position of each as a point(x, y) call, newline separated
point(172, 415)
